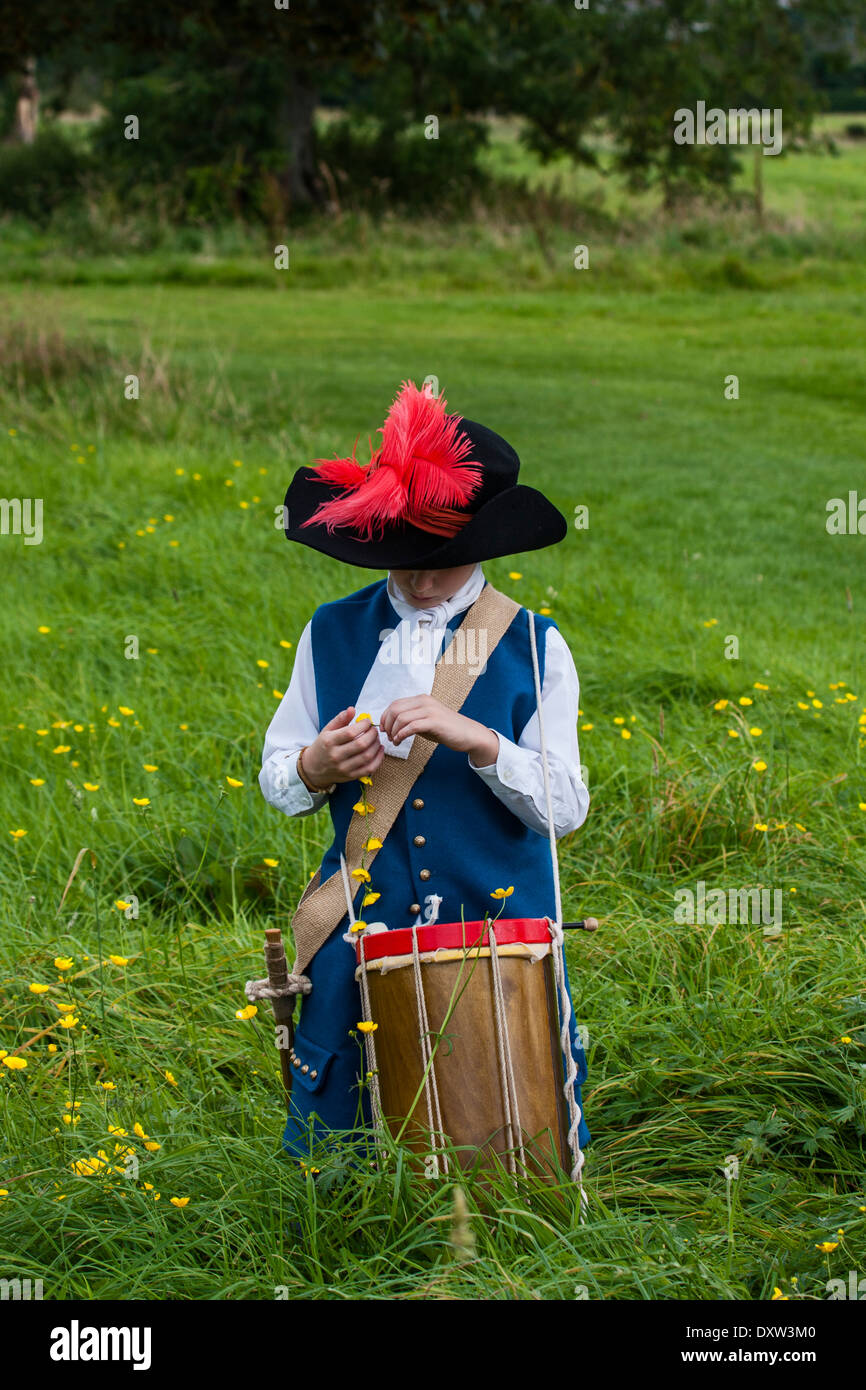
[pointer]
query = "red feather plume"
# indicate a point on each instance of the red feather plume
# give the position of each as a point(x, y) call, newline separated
point(421, 474)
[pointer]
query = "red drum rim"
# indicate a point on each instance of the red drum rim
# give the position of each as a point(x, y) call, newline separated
point(451, 935)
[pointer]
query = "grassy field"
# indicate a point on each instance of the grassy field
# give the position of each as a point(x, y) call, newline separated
point(706, 523)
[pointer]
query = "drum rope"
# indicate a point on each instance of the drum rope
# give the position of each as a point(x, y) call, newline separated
point(557, 934)
point(431, 1088)
point(369, 1041)
point(506, 1068)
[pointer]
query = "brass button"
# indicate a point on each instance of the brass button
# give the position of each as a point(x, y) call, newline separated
point(425, 874)
point(313, 1075)
point(419, 840)
point(305, 1069)
point(296, 1062)
point(418, 804)
point(414, 907)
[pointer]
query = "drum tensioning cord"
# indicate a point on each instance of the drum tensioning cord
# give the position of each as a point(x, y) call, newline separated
point(505, 1061)
point(431, 1088)
point(574, 1112)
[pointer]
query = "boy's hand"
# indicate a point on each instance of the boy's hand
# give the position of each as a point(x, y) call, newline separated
point(343, 751)
point(423, 714)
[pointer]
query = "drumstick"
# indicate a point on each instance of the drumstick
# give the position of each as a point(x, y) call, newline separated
point(588, 924)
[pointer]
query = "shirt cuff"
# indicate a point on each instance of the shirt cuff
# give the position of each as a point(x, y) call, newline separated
point(282, 785)
point(507, 768)
point(491, 767)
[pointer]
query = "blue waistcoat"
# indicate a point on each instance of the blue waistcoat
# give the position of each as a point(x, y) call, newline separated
point(472, 844)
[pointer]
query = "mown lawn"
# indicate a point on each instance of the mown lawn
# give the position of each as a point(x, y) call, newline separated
point(706, 523)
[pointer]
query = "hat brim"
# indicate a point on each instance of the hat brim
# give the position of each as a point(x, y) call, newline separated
point(518, 519)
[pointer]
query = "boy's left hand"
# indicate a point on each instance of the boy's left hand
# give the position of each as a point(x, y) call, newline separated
point(423, 714)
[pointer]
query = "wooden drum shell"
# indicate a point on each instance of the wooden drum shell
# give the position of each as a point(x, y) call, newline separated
point(466, 1062)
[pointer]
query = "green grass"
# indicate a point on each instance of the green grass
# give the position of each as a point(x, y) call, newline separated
point(706, 521)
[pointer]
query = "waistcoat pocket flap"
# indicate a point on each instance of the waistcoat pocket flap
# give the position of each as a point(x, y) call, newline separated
point(310, 1063)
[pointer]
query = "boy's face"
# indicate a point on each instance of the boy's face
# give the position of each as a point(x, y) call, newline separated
point(425, 588)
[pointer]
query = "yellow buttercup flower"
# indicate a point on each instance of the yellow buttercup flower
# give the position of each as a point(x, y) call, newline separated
point(373, 843)
point(170, 1079)
point(63, 962)
point(721, 704)
point(502, 892)
point(364, 1027)
point(39, 989)
point(91, 786)
point(141, 801)
point(179, 1201)
point(361, 874)
point(84, 1167)
point(14, 1063)
point(18, 834)
point(38, 781)
point(118, 960)
point(358, 926)
point(363, 810)
point(150, 767)
point(233, 782)
point(152, 1146)
point(249, 1011)
point(359, 717)
point(746, 700)
point(827, 1246)
point(760, 766)
point(271, 863)
point(625, 733)
point(369, 898)
point(69, 1021)
point(759, 825)
point(139, 1131)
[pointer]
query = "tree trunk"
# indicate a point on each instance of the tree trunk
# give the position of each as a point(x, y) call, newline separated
point(759, 184)
point(26, 106)
point(300, 179)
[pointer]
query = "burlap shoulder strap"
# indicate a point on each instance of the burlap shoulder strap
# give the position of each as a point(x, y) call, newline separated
point(322, 905)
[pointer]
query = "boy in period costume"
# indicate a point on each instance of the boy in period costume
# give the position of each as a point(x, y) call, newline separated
point(439, 496)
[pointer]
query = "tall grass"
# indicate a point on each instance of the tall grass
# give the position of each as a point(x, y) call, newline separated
point(706, 1042)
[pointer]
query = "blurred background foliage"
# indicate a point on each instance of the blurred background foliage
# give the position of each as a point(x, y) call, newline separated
point(265, 115)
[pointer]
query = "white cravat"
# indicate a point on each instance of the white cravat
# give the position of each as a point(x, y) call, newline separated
point(405, 664)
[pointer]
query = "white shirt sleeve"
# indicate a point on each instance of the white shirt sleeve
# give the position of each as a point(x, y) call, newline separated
point(517, 776)
point(295, 724)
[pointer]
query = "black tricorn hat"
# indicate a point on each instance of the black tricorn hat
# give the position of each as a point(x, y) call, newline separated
point(441, 491)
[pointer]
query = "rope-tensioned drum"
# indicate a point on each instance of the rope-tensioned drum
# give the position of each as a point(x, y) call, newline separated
point(513, 1129)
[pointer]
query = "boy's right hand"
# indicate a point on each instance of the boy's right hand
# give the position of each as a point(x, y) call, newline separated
point(343, 751)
